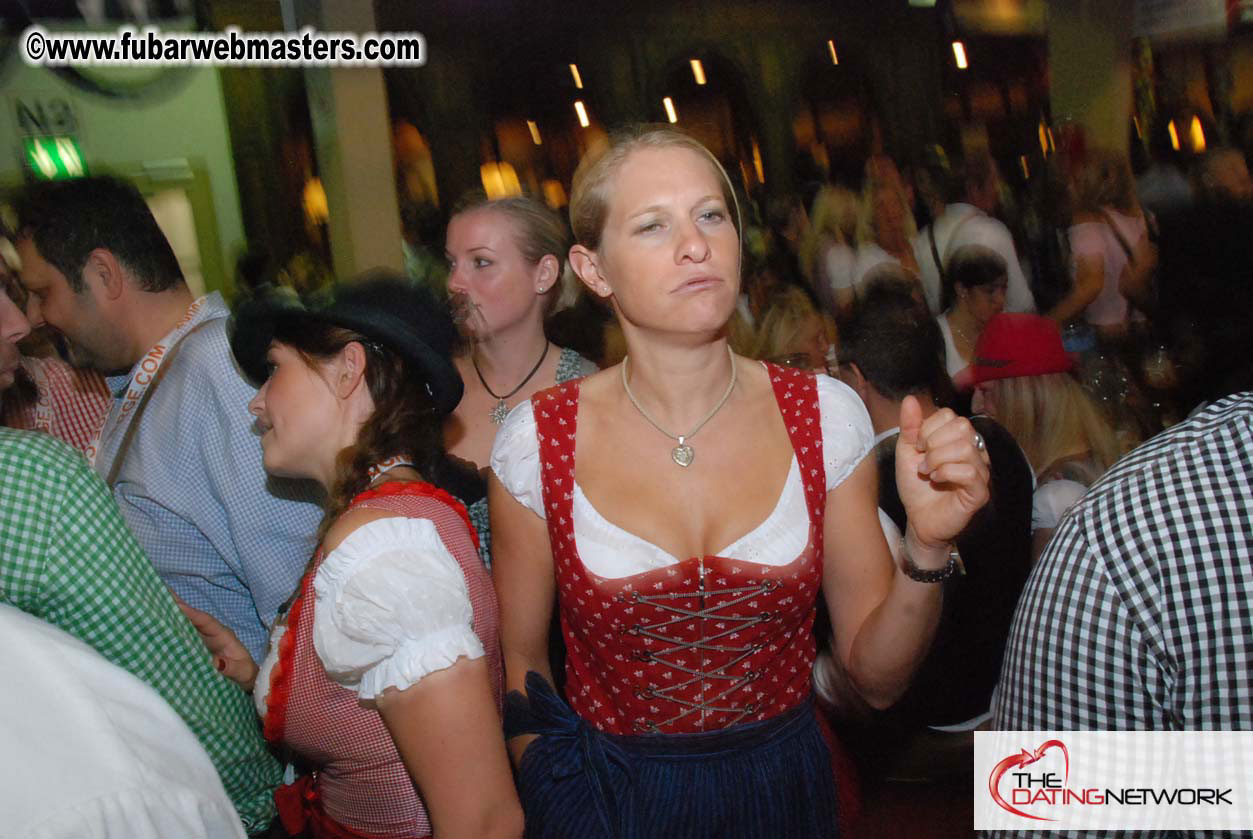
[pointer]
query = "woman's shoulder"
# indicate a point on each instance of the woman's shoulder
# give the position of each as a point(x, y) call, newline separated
point(1129, 224)
point(840, 405)
point(871, 252)
point(595, 390)
point(349, 522)
point(387, 540)
point(393, 504)
point(515, 451)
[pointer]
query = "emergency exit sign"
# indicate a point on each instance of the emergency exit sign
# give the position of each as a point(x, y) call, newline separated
point(54, 158)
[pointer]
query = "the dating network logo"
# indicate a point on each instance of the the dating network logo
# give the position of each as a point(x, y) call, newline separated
point(1033, 781)
point(1110, 780)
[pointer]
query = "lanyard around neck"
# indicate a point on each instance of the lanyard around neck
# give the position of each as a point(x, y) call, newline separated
point(144, 376)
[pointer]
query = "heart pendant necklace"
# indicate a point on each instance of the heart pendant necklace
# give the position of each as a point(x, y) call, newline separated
point(682, 454)
point(501, 409)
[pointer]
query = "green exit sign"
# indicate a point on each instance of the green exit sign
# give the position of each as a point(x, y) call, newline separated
point(54, 158)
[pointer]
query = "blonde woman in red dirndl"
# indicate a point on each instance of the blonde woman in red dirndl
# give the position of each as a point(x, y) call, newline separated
point(685, 510)
point(383, 677)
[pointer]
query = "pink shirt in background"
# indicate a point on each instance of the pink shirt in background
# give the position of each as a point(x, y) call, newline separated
point(1097, 239)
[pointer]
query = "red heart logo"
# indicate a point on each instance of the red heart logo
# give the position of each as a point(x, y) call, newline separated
point(1024, 758)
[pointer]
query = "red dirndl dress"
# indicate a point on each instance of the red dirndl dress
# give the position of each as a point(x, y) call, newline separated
point(359, 788)
point(701, 646)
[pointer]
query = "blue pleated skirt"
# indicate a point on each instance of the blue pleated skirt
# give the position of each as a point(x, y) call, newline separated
point(764, 779)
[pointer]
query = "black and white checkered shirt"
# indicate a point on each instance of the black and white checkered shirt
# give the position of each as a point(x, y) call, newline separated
point(1140, 613)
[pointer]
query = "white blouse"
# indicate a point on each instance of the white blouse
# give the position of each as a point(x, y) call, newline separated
point(611, 552)
point(953, 361)
point(1052, 500)
point(92, 752)
point(869, 257)
point(391, 607)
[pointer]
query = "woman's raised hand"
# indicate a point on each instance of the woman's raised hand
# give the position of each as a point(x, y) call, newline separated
point(941, 473)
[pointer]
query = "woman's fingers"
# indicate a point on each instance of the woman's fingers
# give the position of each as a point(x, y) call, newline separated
point(204, 622)
point(967, 476)
point(911, 422)
point(954, 451)
point(949, 438)
point(935, 422)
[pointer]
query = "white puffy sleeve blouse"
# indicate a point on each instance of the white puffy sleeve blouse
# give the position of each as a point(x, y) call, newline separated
point(392, 607)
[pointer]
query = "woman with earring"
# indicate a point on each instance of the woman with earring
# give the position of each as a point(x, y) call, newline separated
point(506, 262)
point(975, 283)
point(685, 510)
point(383, 676)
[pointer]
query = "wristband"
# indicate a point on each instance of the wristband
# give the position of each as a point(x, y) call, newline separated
point(930, 575)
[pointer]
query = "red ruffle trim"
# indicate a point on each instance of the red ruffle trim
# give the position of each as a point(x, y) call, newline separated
point(280, 676)
point(422, 489)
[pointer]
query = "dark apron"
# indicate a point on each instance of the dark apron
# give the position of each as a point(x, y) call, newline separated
point(764, 779)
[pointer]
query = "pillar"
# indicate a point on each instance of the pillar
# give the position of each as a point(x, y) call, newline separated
point(352, 138)
point(1089, 43)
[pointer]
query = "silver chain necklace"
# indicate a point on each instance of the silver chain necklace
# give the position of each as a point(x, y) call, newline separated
point(681, 454)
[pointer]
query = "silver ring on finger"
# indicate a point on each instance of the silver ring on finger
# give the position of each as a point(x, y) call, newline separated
point(979, 444)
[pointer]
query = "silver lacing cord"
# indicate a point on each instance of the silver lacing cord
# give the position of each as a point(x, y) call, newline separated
point(682, 616)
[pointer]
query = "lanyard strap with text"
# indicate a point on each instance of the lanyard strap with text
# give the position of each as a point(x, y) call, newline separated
point(145, 374)
point(43, 396)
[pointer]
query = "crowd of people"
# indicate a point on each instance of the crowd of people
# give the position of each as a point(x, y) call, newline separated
point(684, 518)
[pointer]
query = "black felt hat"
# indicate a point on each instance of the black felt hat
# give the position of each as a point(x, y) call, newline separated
point(383, 306)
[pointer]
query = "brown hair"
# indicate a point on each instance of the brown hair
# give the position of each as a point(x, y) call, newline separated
point(589, 193)
point(538, 232)
point(1105, 180)
point(404, 422)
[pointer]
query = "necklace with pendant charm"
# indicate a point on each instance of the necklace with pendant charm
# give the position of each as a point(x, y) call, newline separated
point(501, 409)
point(682, 454)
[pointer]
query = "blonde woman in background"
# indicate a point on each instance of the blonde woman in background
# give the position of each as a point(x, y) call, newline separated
point(827, 254)
point(1022, 379)
point(793, 332)
point(1112, 264)
point(506, 263)
point(885, 223)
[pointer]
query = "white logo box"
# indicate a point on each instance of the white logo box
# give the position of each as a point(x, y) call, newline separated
point(1107, 780)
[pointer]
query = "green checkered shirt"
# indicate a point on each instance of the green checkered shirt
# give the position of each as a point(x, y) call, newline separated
point(67, 557)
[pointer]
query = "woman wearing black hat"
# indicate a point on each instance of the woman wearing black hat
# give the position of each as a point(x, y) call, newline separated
point(383, 676)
